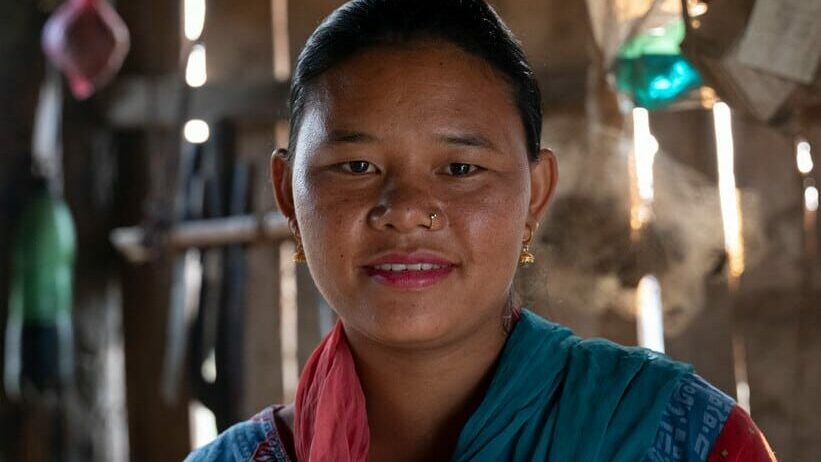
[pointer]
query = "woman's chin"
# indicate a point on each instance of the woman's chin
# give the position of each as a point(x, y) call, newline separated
point(408, 329)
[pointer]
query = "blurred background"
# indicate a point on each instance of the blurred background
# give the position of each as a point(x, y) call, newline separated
point(148, 298)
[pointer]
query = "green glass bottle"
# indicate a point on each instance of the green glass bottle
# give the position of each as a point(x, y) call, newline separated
point(39, 346)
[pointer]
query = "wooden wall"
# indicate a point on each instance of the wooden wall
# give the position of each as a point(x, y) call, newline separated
point(241, 55)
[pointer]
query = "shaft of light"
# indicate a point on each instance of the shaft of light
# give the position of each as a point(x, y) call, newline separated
point(811, 199)
point(803, 157)
point(645, 147)
point(289, 321)
point(733, 236)
point(195, 69)
point(194, 18)
point(281, 40)
point(196, 131)
point(730, 206)
point(696, 8)
point(650, 316)
point(203, 424)
point(742, 380)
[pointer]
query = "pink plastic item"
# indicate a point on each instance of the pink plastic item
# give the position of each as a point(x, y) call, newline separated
point(87, 40)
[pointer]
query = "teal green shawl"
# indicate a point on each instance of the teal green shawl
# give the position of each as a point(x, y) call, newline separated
point(556, 397)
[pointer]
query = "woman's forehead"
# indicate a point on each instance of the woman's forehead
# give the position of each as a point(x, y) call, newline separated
point(429, 83)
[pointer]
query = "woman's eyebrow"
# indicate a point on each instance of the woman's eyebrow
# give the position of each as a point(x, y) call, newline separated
point(467, 139)
point(349, 136)
point(341, 136)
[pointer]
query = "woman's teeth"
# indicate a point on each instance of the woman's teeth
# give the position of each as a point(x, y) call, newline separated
point(412, 267)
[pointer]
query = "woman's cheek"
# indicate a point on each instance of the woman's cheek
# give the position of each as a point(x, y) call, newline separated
point(313, 225)
point(494, 204)
point(486, 232)
point(314, 195)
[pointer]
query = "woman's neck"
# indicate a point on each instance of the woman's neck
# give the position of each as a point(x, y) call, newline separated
point(418, 401)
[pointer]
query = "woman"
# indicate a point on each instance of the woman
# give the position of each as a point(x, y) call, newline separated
point(414, 182)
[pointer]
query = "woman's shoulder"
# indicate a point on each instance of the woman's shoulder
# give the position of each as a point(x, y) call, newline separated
point(697, 421)
point(701, 423)
point(255, 440)
point(608, 358)
point(594, 348)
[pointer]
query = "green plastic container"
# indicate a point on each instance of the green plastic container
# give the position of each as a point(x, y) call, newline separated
point(652, 70)
point(39, 346)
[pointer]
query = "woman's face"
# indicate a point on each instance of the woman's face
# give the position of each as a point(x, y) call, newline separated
point(388, 138)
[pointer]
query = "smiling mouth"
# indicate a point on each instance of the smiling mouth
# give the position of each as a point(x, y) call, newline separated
point(409, 276)
point(415, 270)
point(398, 267)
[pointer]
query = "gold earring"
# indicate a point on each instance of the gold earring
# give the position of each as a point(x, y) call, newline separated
point(526, 257)
point(299, 254)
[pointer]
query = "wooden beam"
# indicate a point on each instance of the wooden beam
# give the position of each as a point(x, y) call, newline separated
point(146, 102)
point(150, 102)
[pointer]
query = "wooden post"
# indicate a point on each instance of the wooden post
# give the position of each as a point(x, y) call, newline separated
point(158, 430)
point(237, 38)
point(309, 304)
point(263, 350)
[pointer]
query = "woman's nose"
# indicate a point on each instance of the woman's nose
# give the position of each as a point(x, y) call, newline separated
point(406, 206)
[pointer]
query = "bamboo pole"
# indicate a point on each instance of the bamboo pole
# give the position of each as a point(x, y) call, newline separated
point(140, 244)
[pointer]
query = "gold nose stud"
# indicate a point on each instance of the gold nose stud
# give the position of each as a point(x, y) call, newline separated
point(434, 221)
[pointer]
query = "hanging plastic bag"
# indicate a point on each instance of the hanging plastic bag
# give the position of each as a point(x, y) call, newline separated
point(639, 43)
point(616, 22)
point(652, 70)
point(87, 40)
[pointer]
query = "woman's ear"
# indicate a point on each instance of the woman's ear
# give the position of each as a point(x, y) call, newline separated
point(281, 182)
point(544, 174)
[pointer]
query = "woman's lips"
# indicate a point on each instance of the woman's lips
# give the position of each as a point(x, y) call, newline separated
point(415, 270)
point(409, 279)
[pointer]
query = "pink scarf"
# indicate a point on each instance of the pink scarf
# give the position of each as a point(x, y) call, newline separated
point(331, 421)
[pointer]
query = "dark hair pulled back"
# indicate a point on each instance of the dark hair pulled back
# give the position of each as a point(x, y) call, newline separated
point(472, 25)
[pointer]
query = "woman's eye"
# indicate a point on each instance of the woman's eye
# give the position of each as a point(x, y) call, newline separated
point(358, 167)
point(459, 169)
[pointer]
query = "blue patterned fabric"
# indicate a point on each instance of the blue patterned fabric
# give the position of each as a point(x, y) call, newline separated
point(557, 397)
point(691, 423)
point(255, 440)
point(690, 415)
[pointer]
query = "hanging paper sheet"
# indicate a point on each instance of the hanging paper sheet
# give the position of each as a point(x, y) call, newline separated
point(784, 38)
